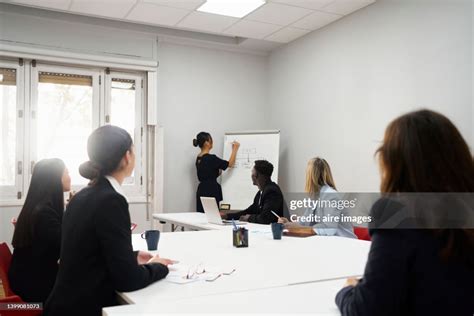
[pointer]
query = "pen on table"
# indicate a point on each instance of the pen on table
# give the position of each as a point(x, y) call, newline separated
point(235, 226)
point(275, 214)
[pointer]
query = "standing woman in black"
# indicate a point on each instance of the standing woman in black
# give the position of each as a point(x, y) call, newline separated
point(37, 237)
point(209, 167)
point(97, 258)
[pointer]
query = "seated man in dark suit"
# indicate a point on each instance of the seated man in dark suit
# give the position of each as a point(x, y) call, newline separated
point(269, 197)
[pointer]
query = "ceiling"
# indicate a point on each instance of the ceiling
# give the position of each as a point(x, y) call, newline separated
point(279, 21)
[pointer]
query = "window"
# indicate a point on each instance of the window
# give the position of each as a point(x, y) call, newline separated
point(64, 112)
point(66, 105)
point(11, 75)
point(8, 125)
point(124, 98)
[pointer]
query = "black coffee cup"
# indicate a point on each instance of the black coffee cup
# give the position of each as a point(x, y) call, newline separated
point(152, 237)
point(277, 230)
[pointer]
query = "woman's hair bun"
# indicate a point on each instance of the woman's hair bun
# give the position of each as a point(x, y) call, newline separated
point(89, 170)
point(106, 147)
point(201, 138)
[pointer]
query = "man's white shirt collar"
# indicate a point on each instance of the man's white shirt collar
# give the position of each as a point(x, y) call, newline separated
point(116, 185)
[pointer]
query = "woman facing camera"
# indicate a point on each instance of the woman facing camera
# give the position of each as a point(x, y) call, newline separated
point(418, 271)
point(37, 236)
point(209, 167)
point(320, 183)
point(97, 258)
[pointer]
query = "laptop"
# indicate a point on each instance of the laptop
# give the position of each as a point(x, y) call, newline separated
point(209, 205)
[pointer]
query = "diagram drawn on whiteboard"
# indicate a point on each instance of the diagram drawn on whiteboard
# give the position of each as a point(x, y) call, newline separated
point(246, 157)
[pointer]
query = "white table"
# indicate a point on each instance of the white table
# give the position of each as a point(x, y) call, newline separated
point(265, 264)
point(303, 299)
point(191, 220)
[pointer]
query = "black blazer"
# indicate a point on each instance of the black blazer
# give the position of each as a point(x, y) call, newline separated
point(33, 269)
point(270, 199)
point(404, 275)
point(97, 257)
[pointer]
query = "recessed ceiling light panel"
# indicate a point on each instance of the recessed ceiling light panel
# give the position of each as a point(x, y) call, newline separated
point(234, 8)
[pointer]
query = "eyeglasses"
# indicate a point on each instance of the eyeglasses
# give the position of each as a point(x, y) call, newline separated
point(194, 272)
point(198, 270)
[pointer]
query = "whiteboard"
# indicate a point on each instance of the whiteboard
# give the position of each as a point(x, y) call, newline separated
point(237, 187)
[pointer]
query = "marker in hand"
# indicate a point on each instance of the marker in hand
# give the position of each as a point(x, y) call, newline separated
point(235, 145)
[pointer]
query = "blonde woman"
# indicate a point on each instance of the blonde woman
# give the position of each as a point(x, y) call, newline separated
point(319, 182)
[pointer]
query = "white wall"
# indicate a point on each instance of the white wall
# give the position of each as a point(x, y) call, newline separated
point(201, 89)
point(333, 92)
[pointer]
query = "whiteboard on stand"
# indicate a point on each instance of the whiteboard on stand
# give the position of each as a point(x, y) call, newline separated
point(237, 187)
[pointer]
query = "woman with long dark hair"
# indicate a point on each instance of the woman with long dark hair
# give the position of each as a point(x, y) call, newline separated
point(97, 258)
point(209, 167)
point(37, 236)
point(415, 271)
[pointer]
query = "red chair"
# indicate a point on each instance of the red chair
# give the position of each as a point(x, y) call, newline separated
point(5, 260)
point(362, 233)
